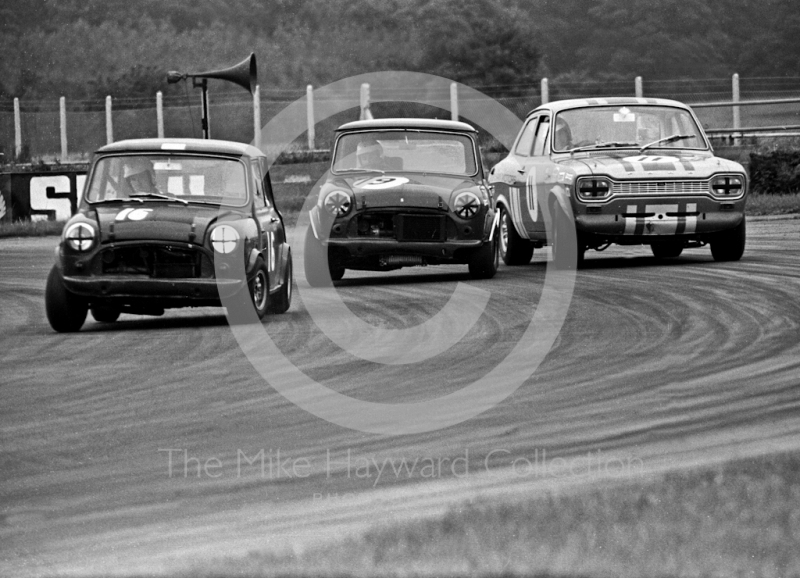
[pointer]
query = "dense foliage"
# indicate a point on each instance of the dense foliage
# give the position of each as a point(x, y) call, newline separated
point(90, 48)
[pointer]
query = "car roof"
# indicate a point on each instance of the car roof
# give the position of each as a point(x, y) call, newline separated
point(409, 123)
point(195, 145)
point(559, 105)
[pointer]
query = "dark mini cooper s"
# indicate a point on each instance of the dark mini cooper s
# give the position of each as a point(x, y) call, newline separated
point(630, 171)
point(167, 223)
point(399, 193)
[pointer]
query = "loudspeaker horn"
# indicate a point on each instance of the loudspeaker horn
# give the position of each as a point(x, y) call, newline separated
point(244, 74)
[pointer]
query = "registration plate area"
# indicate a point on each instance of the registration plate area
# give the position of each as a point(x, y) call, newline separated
point(420, 228)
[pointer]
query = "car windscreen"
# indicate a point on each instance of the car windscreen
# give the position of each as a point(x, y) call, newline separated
point(407, 151)
point(187, 177)
point(630, 125)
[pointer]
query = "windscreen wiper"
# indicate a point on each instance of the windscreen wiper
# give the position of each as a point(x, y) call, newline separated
point(158, 196)
point(672, 138)
point(602, 145)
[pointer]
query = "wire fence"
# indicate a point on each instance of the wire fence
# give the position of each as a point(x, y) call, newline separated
point(36, 130)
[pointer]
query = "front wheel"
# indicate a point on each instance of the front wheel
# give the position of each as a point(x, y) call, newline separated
point(729, 245)
point(315, 263)
point(484, 262)
point(666, 250)
point(66, 312)
point(514, 249)
point(567, 254)
point(254, 296)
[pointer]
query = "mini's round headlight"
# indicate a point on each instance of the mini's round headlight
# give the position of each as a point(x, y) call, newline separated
point(80, 236)
point(224, 239)
point(467, 205)
point(338, 203)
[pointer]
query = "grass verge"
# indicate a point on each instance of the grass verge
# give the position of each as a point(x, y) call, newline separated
point(31, 228)
point(738, 519)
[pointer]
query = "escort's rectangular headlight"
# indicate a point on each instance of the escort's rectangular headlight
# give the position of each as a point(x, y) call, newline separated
point(593, 189)
point(727, 186)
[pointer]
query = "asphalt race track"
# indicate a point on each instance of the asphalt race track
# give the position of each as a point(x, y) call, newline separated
point(136, 446)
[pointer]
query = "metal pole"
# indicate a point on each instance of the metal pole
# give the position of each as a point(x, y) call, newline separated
point(545, 91)
point(109, 122)
point(257, 117)
point(17, 130)
point(160, 114)
point(453, 101)
point(639, 89)
point(312, 135)
point(63, 115)
point(205, 123)
point(737, 119)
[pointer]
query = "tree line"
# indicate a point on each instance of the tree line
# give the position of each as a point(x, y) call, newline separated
point(86, 49)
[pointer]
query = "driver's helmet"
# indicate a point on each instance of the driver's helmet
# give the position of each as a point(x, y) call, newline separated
point(369, 152)
point(563, 135)
point(138, 173)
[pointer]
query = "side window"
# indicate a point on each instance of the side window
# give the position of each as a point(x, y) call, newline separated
point(260, 199)
point(267, 183)
point(523, 147)
point(540, 142)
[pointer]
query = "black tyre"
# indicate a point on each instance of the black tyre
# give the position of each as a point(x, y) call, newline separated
point(315, 263)
point(255, 296)
point(283, 298)
point(729, 245)
point(566, 251)
point(484, 262)
point(514, 249)
point(66, 312)
point(105, 313)
point(666, 250)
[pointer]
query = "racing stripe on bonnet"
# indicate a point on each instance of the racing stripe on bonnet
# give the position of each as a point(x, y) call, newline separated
point(687, 165)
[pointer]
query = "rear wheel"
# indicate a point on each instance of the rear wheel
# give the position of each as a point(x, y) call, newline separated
point(105, 313)
point(283, 299)
point(513, 248)
point(666, 250)
point(729, 245)
point(66, 312)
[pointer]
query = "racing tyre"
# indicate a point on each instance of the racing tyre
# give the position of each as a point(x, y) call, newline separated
point(566, 251)
point(729, 245)
point(66, 312)
point(283, 299)
point(104, 313)
point(315, 263)
point(255, 296)
point(514, 249)
point(666, 250)
point(484, 262)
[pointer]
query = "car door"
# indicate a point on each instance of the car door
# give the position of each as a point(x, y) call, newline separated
point(527, 194)
point(270, 224)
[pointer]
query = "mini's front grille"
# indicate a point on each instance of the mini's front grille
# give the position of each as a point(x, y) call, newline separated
point(158, 262)
point(693, 187)
point(420, 228)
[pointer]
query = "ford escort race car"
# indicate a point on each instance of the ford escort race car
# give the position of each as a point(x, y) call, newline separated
point(399, 193)
point(167, 223)
point(583, 174)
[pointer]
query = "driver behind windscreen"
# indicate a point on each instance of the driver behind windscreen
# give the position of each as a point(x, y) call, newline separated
point(138, 173)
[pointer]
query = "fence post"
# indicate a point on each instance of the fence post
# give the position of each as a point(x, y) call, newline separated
point(160, 114)
point(109, 122)
point(453, 101)
point(257, 116)
point(639, 89)
point(310, 117)
point(62, 107)
point(366, 114)
point(545, 91)
point(17, 130)
point(737, 119)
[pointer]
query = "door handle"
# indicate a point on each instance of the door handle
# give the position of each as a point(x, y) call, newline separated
point(274, 220)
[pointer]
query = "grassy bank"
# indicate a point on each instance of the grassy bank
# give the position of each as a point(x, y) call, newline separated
point(740, 519)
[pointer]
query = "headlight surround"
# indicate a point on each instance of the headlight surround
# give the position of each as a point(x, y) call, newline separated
point(224, 239)
point(727, 186)
point(593, 188)
point(80, 236)
point(467, 205)
point(338, 203)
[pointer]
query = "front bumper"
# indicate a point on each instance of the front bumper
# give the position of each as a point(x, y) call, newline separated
point(122, 288)
point(636, 220)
